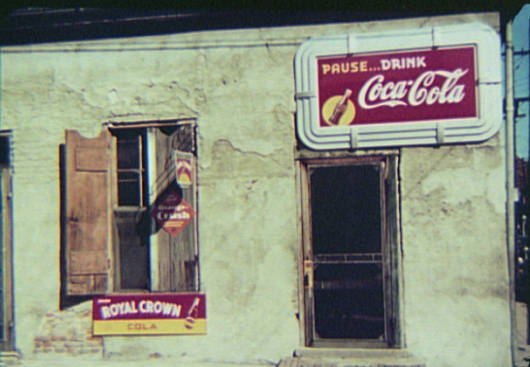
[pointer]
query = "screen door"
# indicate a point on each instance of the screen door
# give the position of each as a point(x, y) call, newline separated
point(345, 255)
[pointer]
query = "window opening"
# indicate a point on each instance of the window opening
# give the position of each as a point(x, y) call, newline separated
point(4, 151)
point(113, 240)
point(346, 220)
point(132, 238)
point(146, 257)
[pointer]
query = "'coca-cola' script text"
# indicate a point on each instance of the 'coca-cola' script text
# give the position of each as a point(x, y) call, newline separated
point(375, 92)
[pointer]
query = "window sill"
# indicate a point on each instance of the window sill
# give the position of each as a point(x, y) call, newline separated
point(132, 291)
point(129, 208)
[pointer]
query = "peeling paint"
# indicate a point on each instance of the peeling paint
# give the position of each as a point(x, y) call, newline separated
point(239, 85)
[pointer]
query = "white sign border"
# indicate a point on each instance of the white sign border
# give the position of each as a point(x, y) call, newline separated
point(392, 134)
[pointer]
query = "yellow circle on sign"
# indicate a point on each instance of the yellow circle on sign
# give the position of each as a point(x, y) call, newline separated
point(328, 108)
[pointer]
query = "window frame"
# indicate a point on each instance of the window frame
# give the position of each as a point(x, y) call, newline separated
point(149, 182)
point(6, 221)
point(171, 259)
point(390, 247)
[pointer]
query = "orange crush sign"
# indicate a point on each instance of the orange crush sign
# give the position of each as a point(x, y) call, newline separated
point(141, 314)
point(173, 213)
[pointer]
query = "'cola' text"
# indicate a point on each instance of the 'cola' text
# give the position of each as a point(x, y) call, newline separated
point(375, 92)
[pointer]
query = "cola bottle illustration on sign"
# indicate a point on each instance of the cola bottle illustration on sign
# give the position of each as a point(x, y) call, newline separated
point(339, 109)
point(192, 314)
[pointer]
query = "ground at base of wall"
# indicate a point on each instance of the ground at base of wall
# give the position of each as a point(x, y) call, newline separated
point(347, 362)
point(288, 362)
point(100, 363)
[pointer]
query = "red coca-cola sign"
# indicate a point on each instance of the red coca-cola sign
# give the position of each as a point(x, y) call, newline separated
point(413, 85)
point(431, 85)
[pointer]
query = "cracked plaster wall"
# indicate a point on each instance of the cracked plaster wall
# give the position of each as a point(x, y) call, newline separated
point(240, 85)
point(242, 98)
point(453, 228)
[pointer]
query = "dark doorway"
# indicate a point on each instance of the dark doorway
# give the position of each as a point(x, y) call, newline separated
point(348, 271)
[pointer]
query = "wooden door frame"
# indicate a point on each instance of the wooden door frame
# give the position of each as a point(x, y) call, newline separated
point(306, 317)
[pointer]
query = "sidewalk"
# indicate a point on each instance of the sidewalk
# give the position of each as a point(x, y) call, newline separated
point(124, 363)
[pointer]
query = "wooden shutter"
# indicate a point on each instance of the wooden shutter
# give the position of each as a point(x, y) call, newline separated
point(88, 200)
point(177, 255)
point(184, 254)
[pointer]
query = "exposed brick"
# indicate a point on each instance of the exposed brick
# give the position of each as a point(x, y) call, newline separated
point(73, 350)
point(67, 332)
point(59, 349)
point(95, 340)
point(58, 338)
point(72, 344)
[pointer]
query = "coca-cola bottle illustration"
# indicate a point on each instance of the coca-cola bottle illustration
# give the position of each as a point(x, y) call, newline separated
point(340, 108)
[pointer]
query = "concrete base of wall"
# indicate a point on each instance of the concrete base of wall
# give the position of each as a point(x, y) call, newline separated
point(9, 358)
point(158, 363)
point(349, 362)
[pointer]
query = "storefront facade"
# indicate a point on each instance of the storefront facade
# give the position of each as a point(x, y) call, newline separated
point(168, 208)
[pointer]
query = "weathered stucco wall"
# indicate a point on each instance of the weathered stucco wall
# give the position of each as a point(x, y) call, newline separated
point(241, 93)
point(456, 277)
point(240, 87)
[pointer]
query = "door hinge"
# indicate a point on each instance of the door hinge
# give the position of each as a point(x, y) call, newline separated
point(308, 273)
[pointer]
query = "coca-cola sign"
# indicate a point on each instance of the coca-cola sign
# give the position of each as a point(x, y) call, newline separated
point(427, 86)
point(392, 87)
